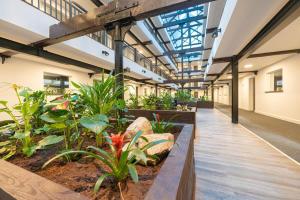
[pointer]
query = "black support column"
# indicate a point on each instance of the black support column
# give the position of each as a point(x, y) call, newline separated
point(118, 39)
point(235, 90)
point(212, 92)
point(156, 90)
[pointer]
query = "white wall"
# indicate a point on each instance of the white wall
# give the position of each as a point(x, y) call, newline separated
point(30, 74)
point(284, 105)
point(221, 95)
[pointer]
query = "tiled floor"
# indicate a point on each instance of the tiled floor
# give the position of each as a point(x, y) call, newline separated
point(232, 163)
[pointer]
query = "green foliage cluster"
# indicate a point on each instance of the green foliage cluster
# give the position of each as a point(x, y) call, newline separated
point(150, 102)
point(183, 96)
point(68, 119)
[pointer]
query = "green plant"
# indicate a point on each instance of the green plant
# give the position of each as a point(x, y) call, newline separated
point(61, 116)
point(150, 102)
point(100, 97)
point(160, 126)
point(167, 101)
point(120, 160)
point(97, 124)
point(133, 102)
point(183, 96)
point(40, 97)
point(27, 108)
point(204, 98)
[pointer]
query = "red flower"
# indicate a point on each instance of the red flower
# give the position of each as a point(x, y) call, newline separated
point(62, 106)
point(118, 142)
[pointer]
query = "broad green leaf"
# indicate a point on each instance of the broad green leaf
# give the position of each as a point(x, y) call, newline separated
point(95, 124)
point(133, 173)
point(49, 140)
point(99, 181)
point(50, 118)
point(134, 139)
point(57, 126)
point(3, 150)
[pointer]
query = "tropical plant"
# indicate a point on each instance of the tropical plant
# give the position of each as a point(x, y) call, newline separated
point(183, 96)
point(133, 101)
point(61, 116)
point(40, 97)
point(160, 126)
point(150, 102)
point(167, 101)
point(100, 97)
point(97, 124)
point(204, 98)
point(22, 128)
point(121, 160)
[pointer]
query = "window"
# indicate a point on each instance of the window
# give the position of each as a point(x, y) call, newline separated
point(275, 81)
point(55, 84)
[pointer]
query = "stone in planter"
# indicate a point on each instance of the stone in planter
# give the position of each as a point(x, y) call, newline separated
point(160, 148)
point(140, 124)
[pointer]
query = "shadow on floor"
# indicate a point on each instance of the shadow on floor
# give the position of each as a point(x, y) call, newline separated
point(281, 134)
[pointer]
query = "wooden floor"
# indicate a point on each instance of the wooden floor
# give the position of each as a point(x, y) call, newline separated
point(232, 163)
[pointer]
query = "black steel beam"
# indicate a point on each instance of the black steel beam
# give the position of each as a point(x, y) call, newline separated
point(211, 30)
point(275, 53)
point(195, 88)
point(34, 51)
point(190, 71)
point(183, 51)
point(98, 3)
point(103, 17)
point(282, 19)
point(183, 21)
point(182, 81)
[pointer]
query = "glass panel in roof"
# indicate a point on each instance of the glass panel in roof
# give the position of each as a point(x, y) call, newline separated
point(185, 28)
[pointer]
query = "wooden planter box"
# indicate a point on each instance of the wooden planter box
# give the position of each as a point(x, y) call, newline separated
point(186, 117)
point(205, 104)
point(175, 180)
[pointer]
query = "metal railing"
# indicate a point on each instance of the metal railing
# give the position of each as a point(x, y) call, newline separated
point(65, 9)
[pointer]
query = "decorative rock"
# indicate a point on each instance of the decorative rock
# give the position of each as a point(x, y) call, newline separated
point(140, 124)
point(159, 148)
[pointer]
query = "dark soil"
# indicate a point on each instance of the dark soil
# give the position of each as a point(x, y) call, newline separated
point(80, 176)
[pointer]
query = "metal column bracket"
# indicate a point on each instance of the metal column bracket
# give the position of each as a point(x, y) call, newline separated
point(3, 58)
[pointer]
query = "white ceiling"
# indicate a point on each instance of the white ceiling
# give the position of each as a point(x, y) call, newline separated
point(287, 39)
point(247, 19)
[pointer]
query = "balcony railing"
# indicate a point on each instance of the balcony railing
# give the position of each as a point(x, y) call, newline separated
point(65, 9)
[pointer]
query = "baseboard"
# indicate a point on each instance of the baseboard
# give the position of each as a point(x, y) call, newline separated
point(295, 121)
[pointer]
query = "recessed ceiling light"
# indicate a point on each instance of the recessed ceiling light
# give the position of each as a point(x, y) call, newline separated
point(248, 66)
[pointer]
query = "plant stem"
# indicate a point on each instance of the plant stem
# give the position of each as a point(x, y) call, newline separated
point(120, 189)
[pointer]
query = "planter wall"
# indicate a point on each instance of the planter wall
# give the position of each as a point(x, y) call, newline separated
point(205, 104)
point(175, 180)
point(186, 117)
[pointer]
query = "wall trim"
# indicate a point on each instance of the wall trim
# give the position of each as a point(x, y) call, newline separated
point(295, 121)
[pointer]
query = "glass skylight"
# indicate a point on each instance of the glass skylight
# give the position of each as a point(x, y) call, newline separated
point(185, 28)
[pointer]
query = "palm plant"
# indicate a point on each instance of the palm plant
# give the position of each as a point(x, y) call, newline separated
point(121, 160)
point(100, 97)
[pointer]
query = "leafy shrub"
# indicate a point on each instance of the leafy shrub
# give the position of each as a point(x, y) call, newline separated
point(166, 101)
point(150, 102)
point(133, 102)
point(183, 96)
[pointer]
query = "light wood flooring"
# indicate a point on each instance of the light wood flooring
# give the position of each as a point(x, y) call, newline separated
point(232, 163)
